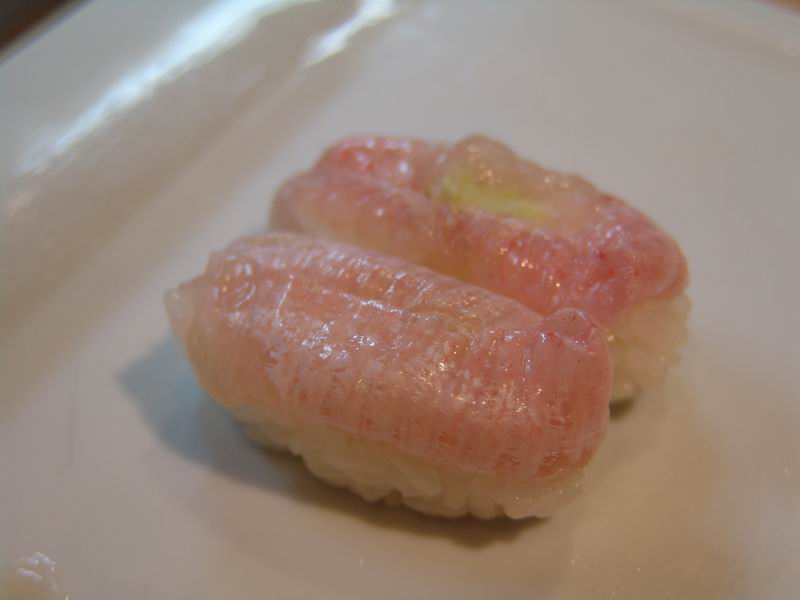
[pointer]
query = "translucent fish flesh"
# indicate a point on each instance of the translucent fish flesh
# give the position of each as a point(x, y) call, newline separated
point(394, 380)
point(478, 212)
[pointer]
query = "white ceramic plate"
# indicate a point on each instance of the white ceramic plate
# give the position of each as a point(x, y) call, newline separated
point(138, 136)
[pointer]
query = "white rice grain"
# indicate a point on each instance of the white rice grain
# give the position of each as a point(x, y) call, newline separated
point(644, 344)
point(377, 472)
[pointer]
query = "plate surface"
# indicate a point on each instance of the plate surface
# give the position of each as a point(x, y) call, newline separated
point(139, 136)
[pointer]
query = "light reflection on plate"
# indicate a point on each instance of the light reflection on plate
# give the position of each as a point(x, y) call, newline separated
point(118, 179)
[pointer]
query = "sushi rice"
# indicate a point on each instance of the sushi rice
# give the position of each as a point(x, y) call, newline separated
point(377, 472)
point(644, 344)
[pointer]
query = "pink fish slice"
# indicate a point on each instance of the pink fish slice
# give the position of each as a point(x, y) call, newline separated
point(394, 380)
point(478, 212)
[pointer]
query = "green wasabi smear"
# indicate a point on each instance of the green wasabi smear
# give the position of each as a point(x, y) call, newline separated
point(463, 190)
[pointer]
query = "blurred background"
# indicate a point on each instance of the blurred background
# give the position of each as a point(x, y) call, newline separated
point(21, 17)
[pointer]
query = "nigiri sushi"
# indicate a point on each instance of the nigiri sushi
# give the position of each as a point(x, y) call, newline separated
point(395, 381)
point(476, 211)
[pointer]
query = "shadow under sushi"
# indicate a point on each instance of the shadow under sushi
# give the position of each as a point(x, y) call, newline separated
point(657, 480)
point(654, 482)
point(621, 408)
point(191, 424)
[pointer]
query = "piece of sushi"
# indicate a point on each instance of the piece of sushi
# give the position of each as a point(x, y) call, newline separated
point(396, 381)
point(476, 211)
